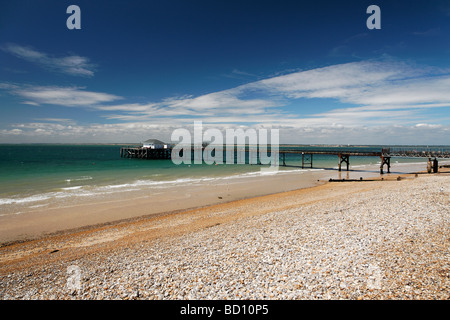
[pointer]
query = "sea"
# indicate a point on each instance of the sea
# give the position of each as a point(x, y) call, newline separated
point(35, 175)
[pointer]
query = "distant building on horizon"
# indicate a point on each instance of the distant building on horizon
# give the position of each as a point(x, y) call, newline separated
point(154, 144)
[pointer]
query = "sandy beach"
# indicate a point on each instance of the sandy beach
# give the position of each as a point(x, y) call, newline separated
point(339, 240)
point(191, 153)
point(84, 213)
point(72, 213)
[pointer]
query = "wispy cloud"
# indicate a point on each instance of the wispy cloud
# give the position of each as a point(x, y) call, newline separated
point(63, 96)
point(428, 33)
point(73, 64)
point(365, 90)
point(365, 83)
point(238, 74)
point(346, 47)
point(371, 101)
point(135, 132)
point(218, 104)
point(58, 120)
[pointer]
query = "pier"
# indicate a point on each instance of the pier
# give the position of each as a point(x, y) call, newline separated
point(424, 152)
point(145, 153)
point(343, 156)
point(416, 152)
point(433, 154)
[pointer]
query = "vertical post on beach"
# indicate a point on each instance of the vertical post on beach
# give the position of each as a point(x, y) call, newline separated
point(435, 165)
point(340, 161)
point(309, 157)
point(381, 166)
point(387, 161)
point(344, 158)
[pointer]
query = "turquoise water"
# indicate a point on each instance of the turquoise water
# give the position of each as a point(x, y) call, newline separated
point(29, 173)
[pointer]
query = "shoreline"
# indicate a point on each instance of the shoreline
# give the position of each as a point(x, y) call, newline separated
point(124, 221)
point(117, 208)
point(248, 226)
point(137, 204)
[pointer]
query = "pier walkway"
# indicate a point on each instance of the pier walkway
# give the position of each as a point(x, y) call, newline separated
point(344, 157)
point(385, 154)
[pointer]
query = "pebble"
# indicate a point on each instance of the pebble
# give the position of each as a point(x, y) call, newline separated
point(386, 243)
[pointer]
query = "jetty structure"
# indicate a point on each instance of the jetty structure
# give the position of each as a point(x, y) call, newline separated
point(154, 144)
point(150, 149)
point(156, 149)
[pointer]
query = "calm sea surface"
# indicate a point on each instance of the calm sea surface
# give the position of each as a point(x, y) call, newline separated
point(33, 173)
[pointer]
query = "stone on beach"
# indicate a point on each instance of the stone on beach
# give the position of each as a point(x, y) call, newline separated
point(383, 240)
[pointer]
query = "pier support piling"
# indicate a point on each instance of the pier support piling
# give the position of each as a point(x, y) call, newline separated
point(432, 165)
point(307, 159)
point(344, 158)
point(385, 161)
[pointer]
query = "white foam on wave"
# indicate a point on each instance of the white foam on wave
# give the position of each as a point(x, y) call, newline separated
point(92, 190)
point(34, 198)
point(82, 178)
point(38, 198)
point(39, 205)
point(73, 188)
point(268, 171)
point(144, 183)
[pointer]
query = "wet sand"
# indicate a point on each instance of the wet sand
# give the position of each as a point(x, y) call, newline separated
point(82, 214)
point(32, 223)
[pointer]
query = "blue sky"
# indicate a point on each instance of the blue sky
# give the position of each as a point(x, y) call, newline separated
point(140, 69)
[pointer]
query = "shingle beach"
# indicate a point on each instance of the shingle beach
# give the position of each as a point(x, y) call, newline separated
point(351, 240)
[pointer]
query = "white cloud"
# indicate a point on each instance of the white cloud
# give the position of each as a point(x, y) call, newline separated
point(62, 120)
point(370, 92)
point(362, 83)
point(374, 100)
point(8, 86)
point(64, 96)
point(428, 125)
point(135, 132)
point(73, 65)
point(12, 132)
point(328, 82)
point(218, 104)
